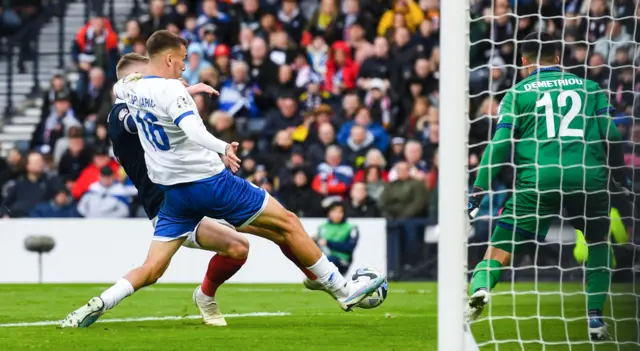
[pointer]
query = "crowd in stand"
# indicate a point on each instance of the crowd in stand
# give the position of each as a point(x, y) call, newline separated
point(327, 98)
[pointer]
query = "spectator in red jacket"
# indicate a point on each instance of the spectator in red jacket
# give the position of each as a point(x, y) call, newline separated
point(95, 45)
point(91, 174)
point(342, 70)
point(333, 177)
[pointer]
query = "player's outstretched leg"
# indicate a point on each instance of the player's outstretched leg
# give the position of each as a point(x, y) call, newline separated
point(158, 259)
point(276, 218)
point(210, 236)
point(233, 249)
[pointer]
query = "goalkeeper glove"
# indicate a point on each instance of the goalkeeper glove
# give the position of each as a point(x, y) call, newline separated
point(474, 202)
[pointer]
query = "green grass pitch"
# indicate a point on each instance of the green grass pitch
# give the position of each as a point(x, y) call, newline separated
point(308, 320)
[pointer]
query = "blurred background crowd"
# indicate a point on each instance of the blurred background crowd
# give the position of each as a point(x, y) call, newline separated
point(330, 100)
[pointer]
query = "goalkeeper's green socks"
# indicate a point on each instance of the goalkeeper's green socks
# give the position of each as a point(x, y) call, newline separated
point(598, 275)
point(486, 275)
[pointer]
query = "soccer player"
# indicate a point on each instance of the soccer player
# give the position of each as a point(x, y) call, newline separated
point(231, 247)
point(184, 159)
point(563, 140)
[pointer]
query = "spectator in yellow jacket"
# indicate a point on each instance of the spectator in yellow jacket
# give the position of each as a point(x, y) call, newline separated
point(412, 12)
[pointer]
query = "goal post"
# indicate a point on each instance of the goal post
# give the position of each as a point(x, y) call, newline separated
point(452, 198)
point(542, 299)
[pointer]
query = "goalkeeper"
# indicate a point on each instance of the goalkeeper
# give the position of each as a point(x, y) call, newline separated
point(563, 140)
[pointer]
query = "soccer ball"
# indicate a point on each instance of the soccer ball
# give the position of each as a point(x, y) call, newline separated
point(377, 297)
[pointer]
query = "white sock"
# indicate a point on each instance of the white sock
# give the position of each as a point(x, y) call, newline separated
point(116, 293)
point(329, 276)
point(201, 295)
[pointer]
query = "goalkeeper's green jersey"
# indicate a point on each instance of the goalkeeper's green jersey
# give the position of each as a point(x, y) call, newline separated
point(556, 123)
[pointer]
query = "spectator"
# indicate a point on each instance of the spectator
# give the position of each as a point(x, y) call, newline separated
point(350, 17)
point(263, 72)
point(360, 205)
point(222, 22)
point(617, 37)
point(209, 41)
point(316, 150)
point(374, 180)
point(292, 19)
point(373, 158)
point(333, 178)
point(28, 190)
point(286, 117)
point(91, 174)
point(413, 16)
point(61, 206)
point(96, 104)
point(413, 156)
point(105, 198)
point(296, 161)
point(75, 158)
point(249, 15)
point(95, 45)
point(57, 124)
point(195, 64)
point(350, 106)
point(132, 34)
point(363, 118)
point(237, 96)
point(222, 62)
point(318, 53)
point(323, 22)
point(190, 30)
point(280, 151)
point(414, 126)
point(313, 96)
point(58, 83)
point(221, 126)
point(404, 197)
point(338, 238)
point(342, 71)
point(156, 19)
point(377, 66)
point(358, 145)
point(378, 102)
point(396, 154)
point(10, 169)
point(299, 198)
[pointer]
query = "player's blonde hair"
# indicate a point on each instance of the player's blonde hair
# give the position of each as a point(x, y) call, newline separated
point(127, 61)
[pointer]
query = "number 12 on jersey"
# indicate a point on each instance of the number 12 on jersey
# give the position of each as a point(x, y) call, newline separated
point(563, 97)
point(154, 133)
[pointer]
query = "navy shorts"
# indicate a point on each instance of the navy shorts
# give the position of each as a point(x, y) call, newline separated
point(223, 196)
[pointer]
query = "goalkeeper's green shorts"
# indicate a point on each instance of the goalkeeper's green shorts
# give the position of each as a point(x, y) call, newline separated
point(528, 213)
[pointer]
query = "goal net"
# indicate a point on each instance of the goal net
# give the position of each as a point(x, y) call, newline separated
point(544, 297)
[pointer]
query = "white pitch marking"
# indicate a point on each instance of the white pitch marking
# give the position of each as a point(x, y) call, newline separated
point(146, 319)
point(280, 290)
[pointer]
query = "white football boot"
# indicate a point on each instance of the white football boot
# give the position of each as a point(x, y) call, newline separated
point(476, 304)
point(598, 329)
point(358, 291)
point(317, 286)
point(85, 315)
point(209, 309)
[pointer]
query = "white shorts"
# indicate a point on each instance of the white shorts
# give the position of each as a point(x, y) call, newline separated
point(190, 241)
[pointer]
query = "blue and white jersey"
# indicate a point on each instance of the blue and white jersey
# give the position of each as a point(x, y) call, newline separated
point(158, 105)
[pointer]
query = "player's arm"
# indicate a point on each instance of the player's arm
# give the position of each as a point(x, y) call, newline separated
point(496, 153)
point(182, 109)
point(614, 144)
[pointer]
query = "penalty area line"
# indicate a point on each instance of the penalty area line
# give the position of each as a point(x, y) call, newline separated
point(148, 319)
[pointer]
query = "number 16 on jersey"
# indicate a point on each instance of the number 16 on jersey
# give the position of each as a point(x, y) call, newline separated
point(154, 133)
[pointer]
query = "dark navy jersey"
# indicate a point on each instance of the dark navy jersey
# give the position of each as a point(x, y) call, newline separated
point(126, 147)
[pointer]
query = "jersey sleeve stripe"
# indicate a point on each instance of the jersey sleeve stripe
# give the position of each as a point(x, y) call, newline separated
point(606, 109)
point(504, 125)
point(188, 113)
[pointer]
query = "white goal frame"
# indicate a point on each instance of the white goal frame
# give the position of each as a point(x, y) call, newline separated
point(453, 220)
